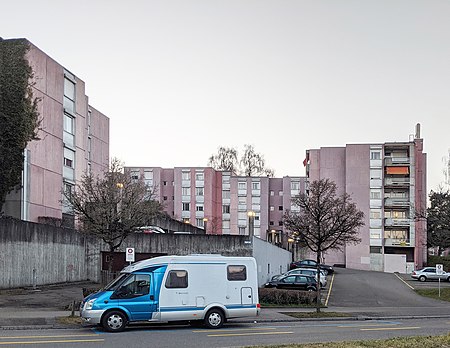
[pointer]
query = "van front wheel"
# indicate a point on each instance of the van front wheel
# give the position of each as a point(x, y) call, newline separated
point(114, 321)
point(214, 319)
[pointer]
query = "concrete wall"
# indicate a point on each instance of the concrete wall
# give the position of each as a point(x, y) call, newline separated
point(61, 255)
point(31, 254)
point(270, 259)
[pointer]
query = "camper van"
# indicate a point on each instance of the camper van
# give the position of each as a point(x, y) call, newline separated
point(200, 289)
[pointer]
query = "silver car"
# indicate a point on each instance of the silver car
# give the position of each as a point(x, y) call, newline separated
point(429, 273)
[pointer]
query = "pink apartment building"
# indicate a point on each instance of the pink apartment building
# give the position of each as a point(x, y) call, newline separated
point(222, 202)
point(388, 183)
point(74, 139)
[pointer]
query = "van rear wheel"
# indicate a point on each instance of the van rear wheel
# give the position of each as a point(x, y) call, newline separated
point(214, 319)
point(114, 321)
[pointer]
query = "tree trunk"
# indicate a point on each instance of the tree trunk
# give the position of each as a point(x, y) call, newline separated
point(318, 301)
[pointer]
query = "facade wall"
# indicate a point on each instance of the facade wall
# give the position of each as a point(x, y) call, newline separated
point(388, 184)
point(85, 138)
point(226, 201)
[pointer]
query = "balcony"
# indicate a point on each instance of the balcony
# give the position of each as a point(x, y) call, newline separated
point(397, 181)
point(396, 202)
point(392, 161)
point(396, 242)
point(390, 222)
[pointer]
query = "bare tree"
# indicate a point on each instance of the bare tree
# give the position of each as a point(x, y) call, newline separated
point(225, 159)
point(113, 206)
point(324, 221)
point(250, 164)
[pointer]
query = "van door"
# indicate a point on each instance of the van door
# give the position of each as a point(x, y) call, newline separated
point(246, 296)
point(136, 297)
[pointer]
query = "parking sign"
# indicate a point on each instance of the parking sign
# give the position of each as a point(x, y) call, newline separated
point(439, 269)
point(130, 255)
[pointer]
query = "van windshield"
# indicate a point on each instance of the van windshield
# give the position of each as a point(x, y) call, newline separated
point(113, 285)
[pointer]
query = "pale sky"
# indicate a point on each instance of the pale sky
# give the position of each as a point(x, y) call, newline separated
point(180, 78)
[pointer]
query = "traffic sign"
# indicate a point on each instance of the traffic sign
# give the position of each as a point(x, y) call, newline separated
point(439, 269)
point(129, 255)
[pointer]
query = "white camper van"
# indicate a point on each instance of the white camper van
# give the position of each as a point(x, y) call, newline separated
point(206, 289)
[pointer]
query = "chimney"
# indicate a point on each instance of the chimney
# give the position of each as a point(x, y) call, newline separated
point(417, 131)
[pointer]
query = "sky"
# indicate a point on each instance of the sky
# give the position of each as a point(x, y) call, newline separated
point(179, 78)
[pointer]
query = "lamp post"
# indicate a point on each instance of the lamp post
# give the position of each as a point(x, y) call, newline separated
point(205, 224)
point(251, 223)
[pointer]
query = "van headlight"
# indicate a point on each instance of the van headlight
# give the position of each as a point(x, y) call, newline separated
point(89, 304)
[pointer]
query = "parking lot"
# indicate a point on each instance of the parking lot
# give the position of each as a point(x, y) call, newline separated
point(416, 284)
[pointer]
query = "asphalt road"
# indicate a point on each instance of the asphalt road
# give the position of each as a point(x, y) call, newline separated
point(355, 288)
point(232, 335)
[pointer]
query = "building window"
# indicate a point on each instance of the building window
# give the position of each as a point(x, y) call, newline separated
point(226, 209)
point(242, 185)
point(241, 230)
point(375, 250)
point(199, 207)
point(375, 194)
point(199, 222)
point(280, 207)
point(375, 155)
point(199, 191)
point(375, 214)
point(295, 185)
point(69, 158)
point(68, 124)
point(185, 206)
point(271, 223)
point(272, 193)
point(185, 191)
point(280, 223)
point(165, 198)
point(280, 193)
point(199, 176)
point(255, 185)
point(165, 183)
point(69, 93)
point(272, 208)
point(185, 176)
point(226, 194)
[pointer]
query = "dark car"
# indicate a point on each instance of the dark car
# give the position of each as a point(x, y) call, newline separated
point(311, 264)
point(293, 282)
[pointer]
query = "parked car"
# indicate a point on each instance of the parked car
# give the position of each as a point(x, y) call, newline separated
point(311, 264)
point(293, 282)
point(305, 271)
point(429, 273)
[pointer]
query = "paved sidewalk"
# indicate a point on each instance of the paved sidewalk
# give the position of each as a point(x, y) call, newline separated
point(40, 308)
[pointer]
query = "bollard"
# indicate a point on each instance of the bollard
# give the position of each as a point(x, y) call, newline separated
point(73, 309)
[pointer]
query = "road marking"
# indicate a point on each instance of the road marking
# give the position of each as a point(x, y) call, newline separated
point(56, 341)
point(329, 290)
point(56, 336)
point(403, 281)
point(231, 330)
point(251, 334)
point(392, 328)
point(363, 325)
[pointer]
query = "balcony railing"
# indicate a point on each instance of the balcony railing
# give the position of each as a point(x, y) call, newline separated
point(396, 222)
point(396, 242)
point(397, 181)
point(389, 161)
point(396, 202)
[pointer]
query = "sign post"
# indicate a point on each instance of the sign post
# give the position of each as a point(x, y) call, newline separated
point(129, 255)
point(439, 272)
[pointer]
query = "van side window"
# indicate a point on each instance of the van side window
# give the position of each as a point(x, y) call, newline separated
point(177, 279)
point(236, 272)
point(134, 286)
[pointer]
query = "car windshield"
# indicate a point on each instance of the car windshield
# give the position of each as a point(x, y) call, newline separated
point(113, 285)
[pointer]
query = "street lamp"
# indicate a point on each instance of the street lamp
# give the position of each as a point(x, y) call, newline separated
point(251, 223)
point(205, 224)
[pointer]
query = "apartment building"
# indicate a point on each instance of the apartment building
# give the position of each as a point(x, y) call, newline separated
point(387, 181)
point(74, 139)
point(221, 202)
